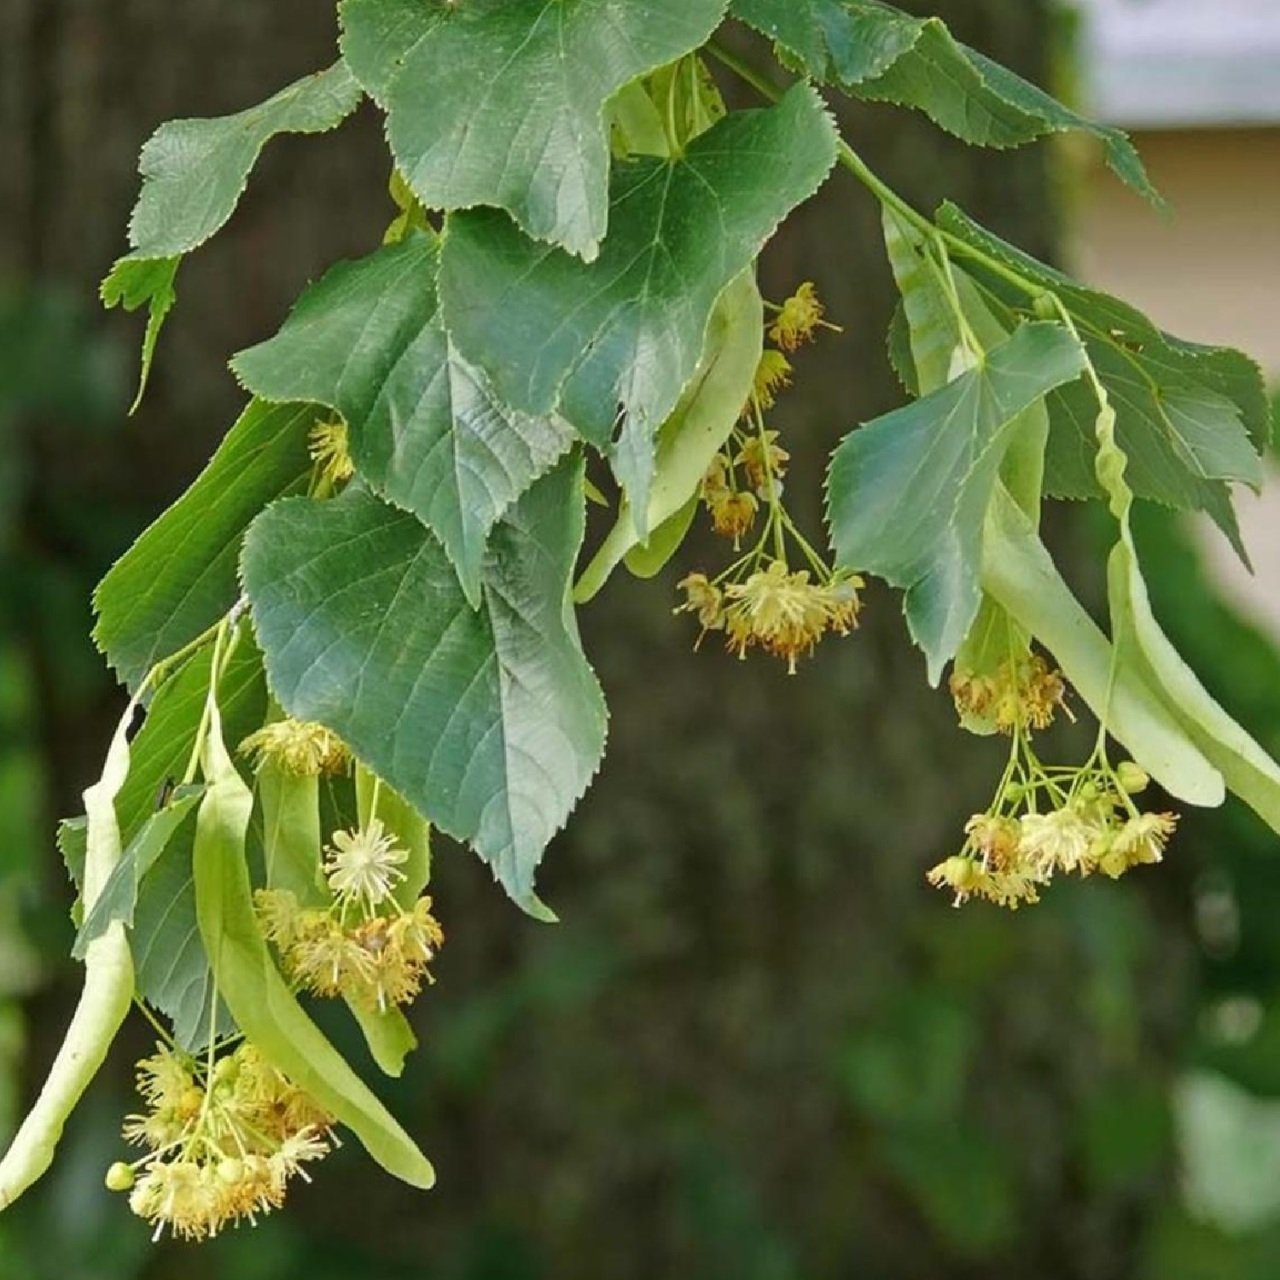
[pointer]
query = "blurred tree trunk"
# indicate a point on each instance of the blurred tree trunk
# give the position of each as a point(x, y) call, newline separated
point(758, 1047)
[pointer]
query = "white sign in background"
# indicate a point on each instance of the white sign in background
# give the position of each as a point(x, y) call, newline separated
point(1171, 63)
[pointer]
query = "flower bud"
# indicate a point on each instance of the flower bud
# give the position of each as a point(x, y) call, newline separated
point(1132, 777)
point(119, 1177)
point(1045, 307)
point(960, 872)
point(225, 1071)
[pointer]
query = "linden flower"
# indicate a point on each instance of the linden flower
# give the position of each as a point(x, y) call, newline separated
point(843, 601)
point(732, 514)
point(381, 961)
point(400, 949)
point(966, 876)
point(322, 956)
point(1141, 840)
point(363, 866)
point(1020, 695)
point(299, 747)
point(762, 459)
point(992, 866)
point(1012, 888)
point(232, 1156)
point(994, 839)
point(785, 613)
point(703, 598)
point(1061, 840)
point(772, 374)
point(173, 1099)
point(329, 448)
point(1027, 694)
point(798, 318)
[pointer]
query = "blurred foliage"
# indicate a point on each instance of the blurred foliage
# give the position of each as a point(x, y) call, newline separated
point(759, 1048)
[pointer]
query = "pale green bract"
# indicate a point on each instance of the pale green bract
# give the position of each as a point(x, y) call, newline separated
point(261, 1003)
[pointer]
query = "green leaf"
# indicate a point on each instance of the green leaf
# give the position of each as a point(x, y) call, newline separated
point(688, 441)
point(72, 840)
point(1019, 574)
point(172, 967)
point(1189, 418)
point(193, 175)
point(880, 53)
point(119, 895)
point(930, 341)
point(263, 1006)
point(614, 343)
point(490, 723)
point(501, 102)
point(836, 41)
point(133, 283)
point(195, 171)
point(908, 493)
point(426, 430)
point(179, 577)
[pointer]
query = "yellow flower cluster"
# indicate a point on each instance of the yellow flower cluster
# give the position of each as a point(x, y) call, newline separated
point(1024, 693)
point(733, 510)
point(733, 506)
point(773, 373)
point(1007, 858)
point(377, 962)
point(362, 944)
point(329, 446)
point(763, 461)
point(760, 601)
point(799, 318)
point(299, 747)
point(781, 612)
point(224, 1141)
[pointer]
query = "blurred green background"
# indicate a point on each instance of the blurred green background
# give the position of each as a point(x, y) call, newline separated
point(758, 1048)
